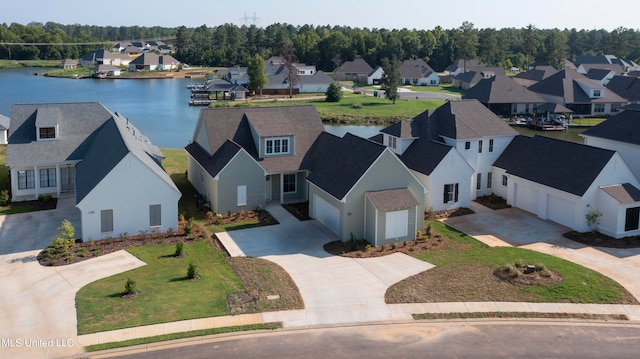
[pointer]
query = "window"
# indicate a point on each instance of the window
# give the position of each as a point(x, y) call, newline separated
point(615, 107)
point(289, 183)
point(504, 180)
point(597, 93)
point(598, 107)
point(489, 180)
point(480, 146)
point(47, 132)
point(479, 181)
point(631, 220)
point(467, 145)
point(242, 195)
point(155, 215)
point(392, 142)
point(526, 108)
point(47, 177)
point(277, 146)
point(106, 220)
point(26, 179)
point(451, 193)
point(491, 145)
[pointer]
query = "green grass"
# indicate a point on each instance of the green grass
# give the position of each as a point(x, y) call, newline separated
point(444, 88)
point(77, 72)
point(10, 64)
point(165, 295)
point(587, 121)
point(580, 284)
point(354, 109)
point(174, 336)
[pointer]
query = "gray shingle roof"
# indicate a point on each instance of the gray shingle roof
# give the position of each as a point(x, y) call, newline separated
point(302, 122)
point(357, 66)
point(424, 155)
point(625, 193)
point(563, 165)
point(77, 123)
point(537, 74)
point(623, 127)
point(467, 119)
point(334, 172)
point(415, 69)
point(402, 129)
point(392, 200)
point(5, 122)
point(151, 58)
point(215, 163)
point(501, 89)
point(627, 87)
point(566, 84)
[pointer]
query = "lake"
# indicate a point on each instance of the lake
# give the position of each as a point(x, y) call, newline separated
point(158, 107)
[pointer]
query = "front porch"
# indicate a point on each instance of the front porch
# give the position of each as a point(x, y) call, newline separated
point(287, 188)
point(30, 183)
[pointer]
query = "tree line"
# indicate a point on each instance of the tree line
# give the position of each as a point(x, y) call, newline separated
point(329, 46)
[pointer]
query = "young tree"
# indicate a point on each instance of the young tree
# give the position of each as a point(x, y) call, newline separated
point(334, 93)
point(257, 78)
point(391, 78)
point(289, 57)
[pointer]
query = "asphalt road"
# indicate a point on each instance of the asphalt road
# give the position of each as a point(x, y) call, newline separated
point(472, 339)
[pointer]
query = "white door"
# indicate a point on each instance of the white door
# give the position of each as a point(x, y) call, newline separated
point(396, 224)
point(561, 210)
point(326, 213)
point(526, 198)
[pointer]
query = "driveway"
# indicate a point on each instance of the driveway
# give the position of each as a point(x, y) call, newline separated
point(37, 304)
point(518, 228)
point(334, 289)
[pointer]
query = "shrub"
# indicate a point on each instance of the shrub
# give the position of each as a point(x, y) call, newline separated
point(211, 216)
point(429, 231)
point(192, 271)
point(130, 286)
point(45, 197)
point(519, 263)
point(367, 247)
point(334, 93)
point(356, 106)
point(593, 218)
point(393, 246)
point(66, 237)
point(4, 197)
point(188, 228)
point(82, 252)
point(178, 252)
point(181, 217)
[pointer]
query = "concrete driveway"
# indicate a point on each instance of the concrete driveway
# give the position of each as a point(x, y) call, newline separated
point(334, 289)
point(518, 228)
point(37, 304)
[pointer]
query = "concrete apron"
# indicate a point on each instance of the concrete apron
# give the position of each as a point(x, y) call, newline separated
point(515, 227)
point(335, 290)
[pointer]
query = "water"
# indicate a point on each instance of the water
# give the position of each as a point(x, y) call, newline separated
point(158, 107)
point(571, 134)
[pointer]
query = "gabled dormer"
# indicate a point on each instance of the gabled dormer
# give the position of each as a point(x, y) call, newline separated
point(276, 146)
point(47, 124)
point(399, 136)
point(593, 89)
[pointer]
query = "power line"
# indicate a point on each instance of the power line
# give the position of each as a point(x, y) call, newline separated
point(83, 43)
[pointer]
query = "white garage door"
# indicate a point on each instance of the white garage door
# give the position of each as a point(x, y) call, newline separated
point(561, 210)
point(396, 224)
point(526, 198)
point(326, 213)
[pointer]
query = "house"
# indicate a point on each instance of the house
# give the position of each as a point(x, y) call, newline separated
point(438, 166)
point(354, 195)
point(84, 149)
point(68, 64)
point(418, 73)
point(534, 75)
point(577, 92)
point(503, 96)
point(4, 129)
point(468, 79)
point(561, 181)
point(620, 133)
point(240, 158)
point(104, 57)
point(309, 80)
point(602, 76)
point(357, 70)
point(461, 66)
point(375, 76)
point(106, 70)
point(599, 60)
point(152, 62)
point(627, 87)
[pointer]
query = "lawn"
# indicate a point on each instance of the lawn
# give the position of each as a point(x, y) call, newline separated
point(464, 272)
point(356, 109)
point(8, 64)
point(444, 88)
point(165, 295)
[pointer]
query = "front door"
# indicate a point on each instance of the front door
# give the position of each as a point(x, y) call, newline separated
point(269, 189)
point(67, 178)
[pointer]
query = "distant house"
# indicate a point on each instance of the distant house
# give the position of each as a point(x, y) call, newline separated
point(309, 79)
point(601, 61)
point(463, 65)
point(503, 96)
point(104, 57)
point(375, 76)
point(561, 181)
point(466, 80)
point(153, 62)
point(603, 76)
point(99, 157)
point(4, 129)
point(356, 70)
point(68, 64)
point(107, 70)
point(418, 73)
point(579, 93)
point(627, 87)
point(534, 75)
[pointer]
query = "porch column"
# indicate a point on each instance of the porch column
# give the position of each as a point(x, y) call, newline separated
point(58, 179)
point(36, 181)
point(281, 188)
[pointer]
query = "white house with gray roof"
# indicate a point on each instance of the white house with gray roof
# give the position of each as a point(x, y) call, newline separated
point(99, 157)
point(4, 129)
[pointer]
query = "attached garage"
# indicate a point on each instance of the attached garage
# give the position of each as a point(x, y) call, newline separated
point(326, 213)
point(526, 198)
point(561, 210)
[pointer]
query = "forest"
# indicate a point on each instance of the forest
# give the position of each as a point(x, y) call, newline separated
point(326, 46)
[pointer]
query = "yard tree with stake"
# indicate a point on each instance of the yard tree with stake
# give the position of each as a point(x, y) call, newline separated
point(334, 93)
point(257, 78)
point(391, 78)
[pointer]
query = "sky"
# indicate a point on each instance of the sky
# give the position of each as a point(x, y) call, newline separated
point(387, 14)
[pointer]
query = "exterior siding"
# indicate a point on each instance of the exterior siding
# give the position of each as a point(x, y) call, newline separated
point(241, 170)
point(627, 151)
point(129, 179)
point(452, 169)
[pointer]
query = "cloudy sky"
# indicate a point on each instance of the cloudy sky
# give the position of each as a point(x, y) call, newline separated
point(411, 14)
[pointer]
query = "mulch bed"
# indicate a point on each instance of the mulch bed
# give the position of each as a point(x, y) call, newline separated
point(434, 216)
point(298, 210)
point(533, 278)
point(492, 201)
point(601, 240)
point(264, 218)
